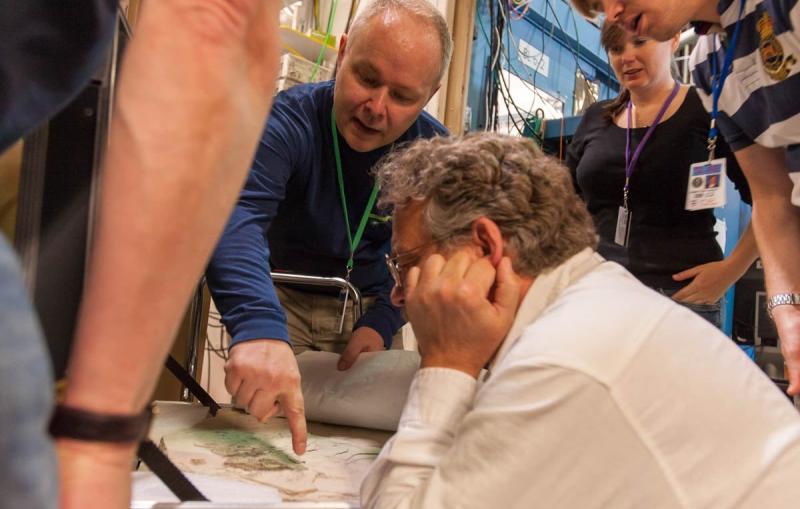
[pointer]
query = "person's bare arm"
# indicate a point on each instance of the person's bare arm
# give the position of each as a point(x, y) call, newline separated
point(194, 93)
point(777, 227)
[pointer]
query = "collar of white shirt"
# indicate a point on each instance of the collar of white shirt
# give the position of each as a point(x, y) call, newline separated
point(544, 291)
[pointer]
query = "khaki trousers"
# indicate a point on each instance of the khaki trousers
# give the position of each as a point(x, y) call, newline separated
point(313, 320)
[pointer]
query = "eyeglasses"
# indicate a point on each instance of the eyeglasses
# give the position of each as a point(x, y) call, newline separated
point(396, 266)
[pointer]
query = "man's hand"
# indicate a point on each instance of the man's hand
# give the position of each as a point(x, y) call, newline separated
point(461, 309)
point(710, 282)
point(364, 339)
point(263, 377)
point(787, 320)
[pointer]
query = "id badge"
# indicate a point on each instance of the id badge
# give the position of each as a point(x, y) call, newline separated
point(344, 296)
point(706, 189)
point(623, 232)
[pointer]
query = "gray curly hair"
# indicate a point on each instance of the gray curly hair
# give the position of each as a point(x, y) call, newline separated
point(528, 195)
point(420, 8)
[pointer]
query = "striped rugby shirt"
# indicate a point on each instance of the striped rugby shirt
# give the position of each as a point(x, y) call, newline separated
point(760, 102)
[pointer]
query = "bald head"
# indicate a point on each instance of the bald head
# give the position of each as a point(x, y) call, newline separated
point(421, 10)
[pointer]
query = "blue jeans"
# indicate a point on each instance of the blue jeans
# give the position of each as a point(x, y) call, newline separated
point(710, 312)
point(28, 472)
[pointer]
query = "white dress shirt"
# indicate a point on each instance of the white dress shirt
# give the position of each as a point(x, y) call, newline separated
point(603, 394)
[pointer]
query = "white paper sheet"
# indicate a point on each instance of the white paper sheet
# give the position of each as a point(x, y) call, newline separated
point(148, 490)
point(371, 394)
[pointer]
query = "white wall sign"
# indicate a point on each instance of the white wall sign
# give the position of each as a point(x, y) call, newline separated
point(534, 58)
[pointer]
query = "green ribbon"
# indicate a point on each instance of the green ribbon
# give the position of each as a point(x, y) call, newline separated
point(352, 239)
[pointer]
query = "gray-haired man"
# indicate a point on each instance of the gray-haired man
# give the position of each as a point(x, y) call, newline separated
point(599, 391)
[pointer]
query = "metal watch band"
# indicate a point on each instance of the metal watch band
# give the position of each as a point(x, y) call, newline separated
point(78, 424)
point(782, 299)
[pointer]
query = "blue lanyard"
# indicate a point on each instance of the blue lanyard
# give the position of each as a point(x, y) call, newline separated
point(718, 79)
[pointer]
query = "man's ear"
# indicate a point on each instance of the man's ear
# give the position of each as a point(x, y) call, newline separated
point(340, 54)
point(675, 42)
point(486, 234)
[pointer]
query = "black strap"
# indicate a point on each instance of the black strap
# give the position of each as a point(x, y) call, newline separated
point(197, 391)
point(169, 474)
point(157, 461)
point(80, 424)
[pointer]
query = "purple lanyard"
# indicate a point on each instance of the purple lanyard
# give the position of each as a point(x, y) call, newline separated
point(630, 162)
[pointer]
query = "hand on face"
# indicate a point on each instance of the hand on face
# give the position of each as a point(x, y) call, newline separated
point(461, 309)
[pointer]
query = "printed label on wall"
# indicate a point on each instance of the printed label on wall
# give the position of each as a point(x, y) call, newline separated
point(534, 58)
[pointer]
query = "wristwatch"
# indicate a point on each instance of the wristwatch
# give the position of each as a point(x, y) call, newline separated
point(782, 299)
point(79, 424)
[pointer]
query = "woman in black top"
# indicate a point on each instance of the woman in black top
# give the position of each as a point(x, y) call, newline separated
point(669, 248)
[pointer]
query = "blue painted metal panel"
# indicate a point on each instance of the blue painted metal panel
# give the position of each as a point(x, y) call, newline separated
point(551, 27)
point(479, 66)
point(566, 128)
point(736, 216)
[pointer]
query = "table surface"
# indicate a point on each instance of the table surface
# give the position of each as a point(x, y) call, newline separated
point(236, 448)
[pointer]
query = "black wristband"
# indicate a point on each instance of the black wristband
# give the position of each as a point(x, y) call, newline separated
point(77, 424)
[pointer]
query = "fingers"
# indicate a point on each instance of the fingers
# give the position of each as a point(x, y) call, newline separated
point(482, 274)
point(690, 299)
point(429, 273)
point(792, 371)
point(683, 294)
point(255, 399)
point(507, 289)
point(460, 277)
point(245, 395)
point(294, 410)
point(461, 309)
point(791, 354)
point(350, 355)
point(687, 274)
point(263, 377)
point(232, 380)
point(456, 267)
point(696, 294)
point(263, 405)
point(411, 282)
point(363, 339)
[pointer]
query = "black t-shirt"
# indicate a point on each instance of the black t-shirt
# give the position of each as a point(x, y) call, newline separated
point(664, 237)
point(48, 52)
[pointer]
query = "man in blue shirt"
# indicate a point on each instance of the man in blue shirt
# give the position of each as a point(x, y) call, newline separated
point(759, 115)
point(300, 210)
